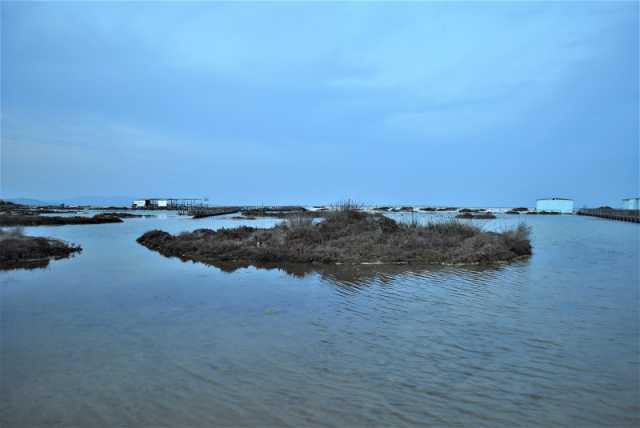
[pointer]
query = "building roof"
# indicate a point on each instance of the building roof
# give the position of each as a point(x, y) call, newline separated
point(628, 199)
point(555, 199)
point(171, 199)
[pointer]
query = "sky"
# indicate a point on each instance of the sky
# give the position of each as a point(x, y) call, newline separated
point(431, 103)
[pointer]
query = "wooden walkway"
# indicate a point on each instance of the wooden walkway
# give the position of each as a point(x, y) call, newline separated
point(632, 216)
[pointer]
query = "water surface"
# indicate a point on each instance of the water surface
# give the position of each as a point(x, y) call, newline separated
point(121, 336)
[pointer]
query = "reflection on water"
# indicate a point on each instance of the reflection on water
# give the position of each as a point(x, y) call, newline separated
point(122, 336)
point(26, 264)
point(368, 274)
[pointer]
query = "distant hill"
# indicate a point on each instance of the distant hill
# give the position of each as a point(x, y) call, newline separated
point(26, 201)
point(103, 201)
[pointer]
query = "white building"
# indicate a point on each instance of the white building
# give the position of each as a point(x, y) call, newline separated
point(631, 204)
point(558, 205)
point(168, 203)
point(151, 203)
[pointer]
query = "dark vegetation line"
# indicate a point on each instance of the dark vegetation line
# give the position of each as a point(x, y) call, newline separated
point(37, 220)
point(12, 215)
point(282, 212)
point(478, 216)
point(345, 235)
point(212, 212)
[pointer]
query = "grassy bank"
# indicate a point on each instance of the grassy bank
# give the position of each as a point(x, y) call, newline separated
point(346, 235)
point(20, 251)
point(282, 212)
point(9, 220)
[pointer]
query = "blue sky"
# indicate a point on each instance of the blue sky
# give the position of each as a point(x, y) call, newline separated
point(423, 103)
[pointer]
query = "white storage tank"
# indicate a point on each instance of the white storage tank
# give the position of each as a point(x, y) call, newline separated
point(556, 205)
point(631, 204)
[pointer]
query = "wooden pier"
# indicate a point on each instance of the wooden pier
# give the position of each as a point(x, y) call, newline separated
point(632, 216)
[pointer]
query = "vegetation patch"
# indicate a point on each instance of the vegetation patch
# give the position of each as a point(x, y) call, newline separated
point(14, 215)
point(346, 235)
point(20, 251)
point(205, 212)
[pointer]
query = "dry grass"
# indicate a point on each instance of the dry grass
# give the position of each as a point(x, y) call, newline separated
point(299, 222)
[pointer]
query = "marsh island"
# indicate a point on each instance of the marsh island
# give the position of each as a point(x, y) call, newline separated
point(345, 236)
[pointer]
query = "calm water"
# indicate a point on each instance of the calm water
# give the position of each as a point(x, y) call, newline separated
point(121, 336)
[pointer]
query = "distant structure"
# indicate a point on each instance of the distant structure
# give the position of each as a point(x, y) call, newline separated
point(169, 203)
point(556, 205)
point(631, 204)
